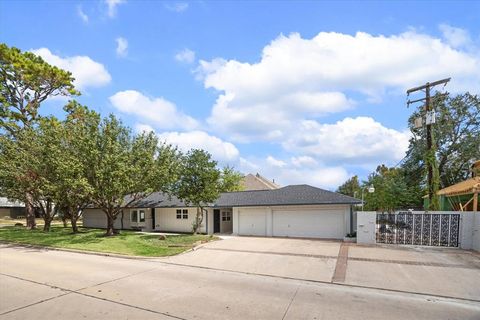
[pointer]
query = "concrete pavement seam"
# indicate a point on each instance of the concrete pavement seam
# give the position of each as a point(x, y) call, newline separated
point(68, 291)
point(321, 281)
point(291, 301)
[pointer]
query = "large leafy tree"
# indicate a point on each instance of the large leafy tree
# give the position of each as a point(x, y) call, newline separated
point(73, 190)
point(456, 135)
point(199, 182)
point(26, 80)
point(230, 180)
point(30, 166)
point(124, 168)
point(392, 191)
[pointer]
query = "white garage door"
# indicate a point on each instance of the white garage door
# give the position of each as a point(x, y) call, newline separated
point(251, 222)
point(328, 224)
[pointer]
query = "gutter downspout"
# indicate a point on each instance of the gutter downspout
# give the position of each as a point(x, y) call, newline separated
point(351, 219)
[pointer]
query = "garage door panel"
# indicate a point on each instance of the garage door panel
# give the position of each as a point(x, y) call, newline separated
point(252, 222)
point(328, 224)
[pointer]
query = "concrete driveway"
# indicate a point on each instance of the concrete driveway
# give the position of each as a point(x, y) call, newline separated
point(264, 281)
point(436, 271)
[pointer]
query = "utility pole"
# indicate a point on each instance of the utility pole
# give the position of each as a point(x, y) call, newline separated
point(428, 109)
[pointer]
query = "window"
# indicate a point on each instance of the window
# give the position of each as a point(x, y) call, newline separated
point(226, 216)
point(179, 214)
point(142, 215)
point(134, 216)
point(185, 214)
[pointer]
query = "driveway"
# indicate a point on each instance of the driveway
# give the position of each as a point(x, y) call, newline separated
point(263, 282)
point(436, 271)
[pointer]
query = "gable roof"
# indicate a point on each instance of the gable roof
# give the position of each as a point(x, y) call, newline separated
point(4, 202)
point(290, 195)
point(302, 194)
point(257, 182)
point(469, 186)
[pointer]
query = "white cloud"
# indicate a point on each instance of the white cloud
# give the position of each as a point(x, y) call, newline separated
point(456, 37)
point(298, 79)
point(112, 7)
point(220, 150)
point(304, 161)
point(275, 162)
point(87, 72)
point(360, 140)
point(141, 127)
point(158, 111)
point(186, 56)
point(177, 6)
point(122, 47)
point(82, 14)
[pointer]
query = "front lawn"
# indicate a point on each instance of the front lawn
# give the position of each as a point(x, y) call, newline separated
point(127, 242)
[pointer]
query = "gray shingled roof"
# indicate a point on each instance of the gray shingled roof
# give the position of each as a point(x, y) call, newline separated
point(289, 195)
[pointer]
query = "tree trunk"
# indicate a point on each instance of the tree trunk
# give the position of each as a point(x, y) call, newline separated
point(73, 222)
point(46, 226)
point(30, 213)
point(110, 222)
point(198, 220)
point(64, 220)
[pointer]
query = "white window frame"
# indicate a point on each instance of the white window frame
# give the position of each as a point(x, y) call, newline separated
point(179, 213)
point(139, 216)
point(226, 216)
point(185, 214)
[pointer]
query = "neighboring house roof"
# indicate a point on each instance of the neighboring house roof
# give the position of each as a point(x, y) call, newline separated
point(468, 186)
point(289, 195)
point(258, 182)
point(4, 203)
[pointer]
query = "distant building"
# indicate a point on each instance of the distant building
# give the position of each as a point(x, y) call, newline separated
point(12, 209)
point(258, 182)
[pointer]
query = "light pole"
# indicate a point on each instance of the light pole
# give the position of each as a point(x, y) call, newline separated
point(371, 189)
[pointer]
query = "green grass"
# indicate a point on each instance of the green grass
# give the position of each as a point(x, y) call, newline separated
point(127, 242)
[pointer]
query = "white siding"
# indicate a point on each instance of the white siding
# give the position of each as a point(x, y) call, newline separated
point(166, 220)
point(96, 218)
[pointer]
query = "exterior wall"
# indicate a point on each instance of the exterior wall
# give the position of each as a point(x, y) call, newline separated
point(469, 237)
point(96, 218)
point(267, 212)
point(366, 227)
point(166, 220)
point(4, 212)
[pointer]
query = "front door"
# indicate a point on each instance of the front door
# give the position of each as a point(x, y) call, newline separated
point(216, 220)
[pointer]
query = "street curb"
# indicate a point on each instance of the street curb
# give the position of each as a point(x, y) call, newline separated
point(95, 253)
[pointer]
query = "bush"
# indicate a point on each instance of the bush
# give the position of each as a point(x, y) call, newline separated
point(18, 224)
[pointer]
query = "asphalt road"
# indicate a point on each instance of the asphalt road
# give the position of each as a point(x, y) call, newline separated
point(43, 284)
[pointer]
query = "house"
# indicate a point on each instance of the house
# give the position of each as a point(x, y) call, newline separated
point(257, 182)
point(291, 211)
point(12, 209)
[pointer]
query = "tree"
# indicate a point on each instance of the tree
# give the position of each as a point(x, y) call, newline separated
point(30, 166)
point(199, 182)
point(351, 187)
point(456, 133)
point(391, 190)
point(123, 168)
point(230, 180)
point(73, 190)
point(25, 82)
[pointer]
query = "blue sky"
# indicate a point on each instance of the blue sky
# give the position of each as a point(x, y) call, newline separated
point(302, 92)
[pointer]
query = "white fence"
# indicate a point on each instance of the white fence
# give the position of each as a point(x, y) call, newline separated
point(469, 237)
